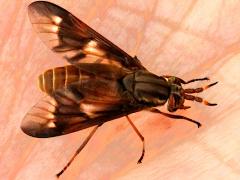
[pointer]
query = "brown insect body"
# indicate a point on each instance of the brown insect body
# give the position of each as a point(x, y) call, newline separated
point(101, 83)
point(111, 91)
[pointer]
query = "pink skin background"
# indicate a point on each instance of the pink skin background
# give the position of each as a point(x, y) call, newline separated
point(186, 38)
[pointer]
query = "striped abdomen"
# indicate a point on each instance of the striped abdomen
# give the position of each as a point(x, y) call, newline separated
point(57, 78)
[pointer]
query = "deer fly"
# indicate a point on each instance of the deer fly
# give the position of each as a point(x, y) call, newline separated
point(101, 82)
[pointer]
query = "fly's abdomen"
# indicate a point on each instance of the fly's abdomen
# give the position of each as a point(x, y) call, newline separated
point(58, 78)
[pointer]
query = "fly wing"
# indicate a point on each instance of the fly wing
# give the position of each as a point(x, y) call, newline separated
point(49, 118)
point(74, 40)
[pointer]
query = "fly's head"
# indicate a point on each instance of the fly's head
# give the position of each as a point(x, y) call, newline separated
point(176, 97)
point(178, 94)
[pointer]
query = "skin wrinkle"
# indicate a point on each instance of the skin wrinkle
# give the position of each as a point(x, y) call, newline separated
point(147, 16)
point(168, 37)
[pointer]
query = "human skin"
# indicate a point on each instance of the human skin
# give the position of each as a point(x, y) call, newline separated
point(188, 39)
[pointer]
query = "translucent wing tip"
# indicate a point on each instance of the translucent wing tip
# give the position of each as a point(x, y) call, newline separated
point(35, 7)
point(34, 128)
point(39, 121)
point(38, 10)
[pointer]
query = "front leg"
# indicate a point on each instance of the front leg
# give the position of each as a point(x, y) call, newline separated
point(177, 80)
point(154, 110)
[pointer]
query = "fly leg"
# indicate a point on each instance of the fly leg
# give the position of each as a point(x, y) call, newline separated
point(198, 99)
point(179, 81)
point(79, 150)
point(189, 91)
point(141, 137)
point(198, 90)
point(193, 80)
point(154, 110)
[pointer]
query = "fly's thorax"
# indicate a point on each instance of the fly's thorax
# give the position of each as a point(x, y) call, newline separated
point(57, 78)
point(147, 87)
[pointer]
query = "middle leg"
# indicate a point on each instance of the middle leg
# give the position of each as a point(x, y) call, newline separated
point(140, 136)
